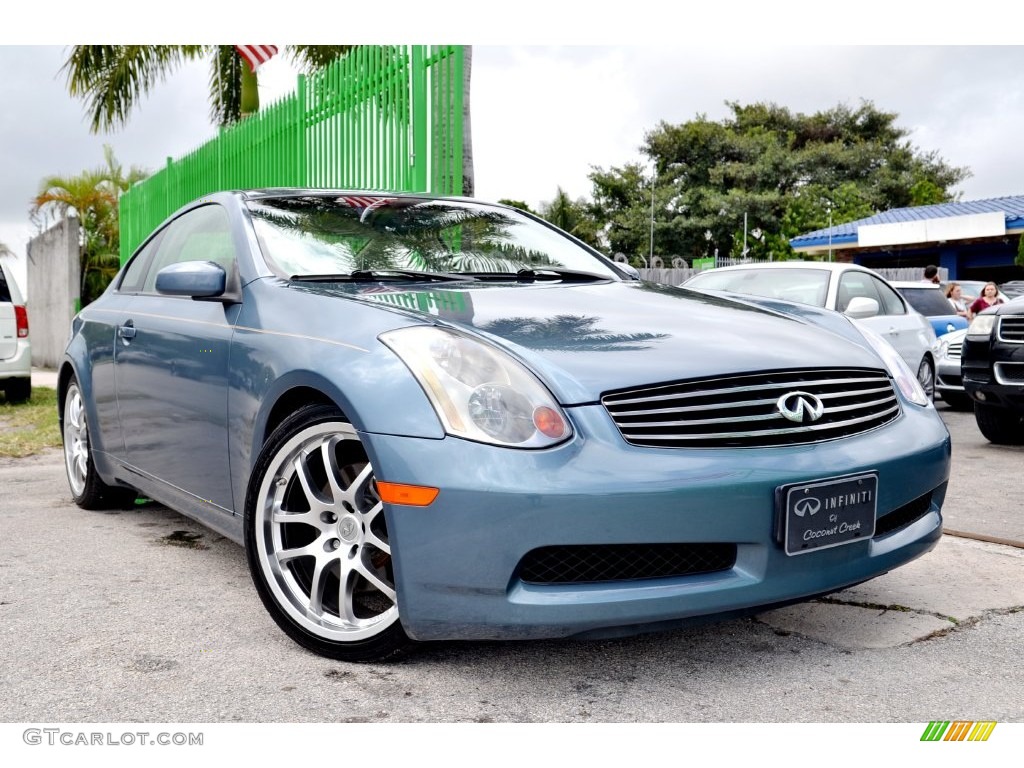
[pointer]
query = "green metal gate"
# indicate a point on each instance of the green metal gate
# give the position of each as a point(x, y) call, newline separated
point(382, 118)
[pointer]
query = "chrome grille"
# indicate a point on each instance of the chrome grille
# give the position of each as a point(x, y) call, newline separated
point(743, 410)
point(955, 349)
point(1011, 328)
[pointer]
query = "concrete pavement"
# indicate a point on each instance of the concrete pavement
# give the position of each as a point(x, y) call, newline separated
point(956, 585)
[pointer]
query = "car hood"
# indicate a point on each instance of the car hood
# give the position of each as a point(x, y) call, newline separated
point(587, 339)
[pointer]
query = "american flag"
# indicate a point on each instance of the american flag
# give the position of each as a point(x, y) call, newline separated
point(365, 202)
point(255, 55)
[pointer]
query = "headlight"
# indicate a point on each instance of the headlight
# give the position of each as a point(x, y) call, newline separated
point(906, 380)
point(982, 325)
point(478, 391)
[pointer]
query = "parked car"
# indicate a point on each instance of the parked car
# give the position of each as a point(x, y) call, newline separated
point(993, 371)
point(430, 418)
point(1010, 290)
point(949, 383)
point(930, 300)
point(853, 290)
point(15, 346)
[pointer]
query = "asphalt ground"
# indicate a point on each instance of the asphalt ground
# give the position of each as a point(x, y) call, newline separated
point(141, 615)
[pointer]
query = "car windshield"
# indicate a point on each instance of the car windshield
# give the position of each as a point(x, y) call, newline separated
point(802, 286)
point(310, 236)
point(930, 302)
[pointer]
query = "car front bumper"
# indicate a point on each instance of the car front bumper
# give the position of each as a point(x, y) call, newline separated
point(457, 561)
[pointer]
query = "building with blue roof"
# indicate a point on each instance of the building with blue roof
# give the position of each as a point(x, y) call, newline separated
point(974, 240)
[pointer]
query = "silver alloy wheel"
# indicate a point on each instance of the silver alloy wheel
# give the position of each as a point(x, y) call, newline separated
point(320, 536)
point(76, 441)
point(926, 378)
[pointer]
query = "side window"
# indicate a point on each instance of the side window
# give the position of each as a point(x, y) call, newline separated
point(203, 234)
point(891, 303)
point(134, 273)
point(853, 285)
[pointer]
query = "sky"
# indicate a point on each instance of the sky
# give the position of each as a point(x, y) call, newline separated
point(558, 89)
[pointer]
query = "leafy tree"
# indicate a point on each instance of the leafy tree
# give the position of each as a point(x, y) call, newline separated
point(575, 217)
point(92, 197)
point(788, 172)
point(522, 206)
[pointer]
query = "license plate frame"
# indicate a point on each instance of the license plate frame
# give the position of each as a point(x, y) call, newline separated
point(829, 512)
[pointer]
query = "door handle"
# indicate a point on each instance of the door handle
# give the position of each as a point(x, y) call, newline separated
point(127, 331)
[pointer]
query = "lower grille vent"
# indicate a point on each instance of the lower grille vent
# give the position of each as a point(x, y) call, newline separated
point(623, 562)
point(903, 516)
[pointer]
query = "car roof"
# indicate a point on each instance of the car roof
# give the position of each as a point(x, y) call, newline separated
point(922, 284)
point(828, 266)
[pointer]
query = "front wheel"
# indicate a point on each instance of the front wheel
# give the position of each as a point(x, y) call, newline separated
point(18, 390)
point(317, 542)
point(1001, 426)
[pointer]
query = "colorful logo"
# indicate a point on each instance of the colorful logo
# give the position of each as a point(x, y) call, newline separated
point(958, 730)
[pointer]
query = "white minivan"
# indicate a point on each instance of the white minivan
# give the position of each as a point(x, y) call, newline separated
point(15, 349)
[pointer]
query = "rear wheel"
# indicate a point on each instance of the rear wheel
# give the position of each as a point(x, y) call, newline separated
point(87, 489)
point(18, 390)
point(317, 542)
point(1001, 426)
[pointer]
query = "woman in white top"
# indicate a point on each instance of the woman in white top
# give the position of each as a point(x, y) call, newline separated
point(955, 294)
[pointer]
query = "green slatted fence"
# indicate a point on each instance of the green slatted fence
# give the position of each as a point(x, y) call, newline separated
point(382, 118)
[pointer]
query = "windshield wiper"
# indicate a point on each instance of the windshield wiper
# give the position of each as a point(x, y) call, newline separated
point(384, 275)
point(542, 273)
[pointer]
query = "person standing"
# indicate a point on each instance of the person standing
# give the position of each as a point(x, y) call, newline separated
point(931, 274)
point(989, 298)
point(955, 294)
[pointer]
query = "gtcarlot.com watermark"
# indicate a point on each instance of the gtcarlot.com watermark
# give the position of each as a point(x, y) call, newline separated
point(60, 737)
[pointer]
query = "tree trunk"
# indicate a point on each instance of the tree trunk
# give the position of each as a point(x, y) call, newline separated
point(250, 101)
point(468, 177)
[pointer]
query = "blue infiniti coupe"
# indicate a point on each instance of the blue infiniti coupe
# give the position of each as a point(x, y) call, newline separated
point(430, 419)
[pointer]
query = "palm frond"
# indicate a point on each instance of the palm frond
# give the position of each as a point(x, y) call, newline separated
point(113, 78)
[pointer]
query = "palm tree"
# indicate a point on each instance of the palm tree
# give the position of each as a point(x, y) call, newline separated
point(113, 78)
point(92, 197)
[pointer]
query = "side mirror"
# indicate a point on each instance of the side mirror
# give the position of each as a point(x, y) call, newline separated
point(861, 307)
point(632, 272)
point(197, 279)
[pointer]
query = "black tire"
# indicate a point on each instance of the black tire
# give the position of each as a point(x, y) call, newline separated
point(1001, 426)
point(18, 390)
point(957, 401)
point(314, 468)
point(87, 489)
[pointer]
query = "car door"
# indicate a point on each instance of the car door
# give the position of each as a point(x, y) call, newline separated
point(907, 330)
point(171, 364)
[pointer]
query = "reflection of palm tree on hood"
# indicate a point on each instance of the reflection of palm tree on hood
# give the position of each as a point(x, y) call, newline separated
point(569, 333)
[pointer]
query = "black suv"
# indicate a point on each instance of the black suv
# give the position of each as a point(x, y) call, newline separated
point(993, 371)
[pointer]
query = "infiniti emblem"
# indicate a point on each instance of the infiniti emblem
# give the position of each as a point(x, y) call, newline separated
point(801, 407)
point(806, 507)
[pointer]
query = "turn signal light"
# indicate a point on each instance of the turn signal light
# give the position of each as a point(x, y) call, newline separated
point(410, 495)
